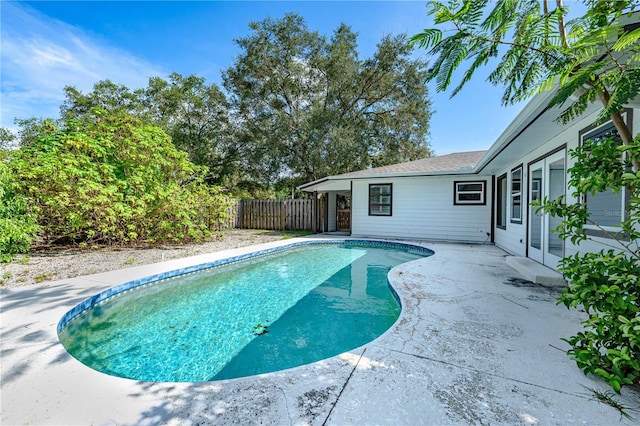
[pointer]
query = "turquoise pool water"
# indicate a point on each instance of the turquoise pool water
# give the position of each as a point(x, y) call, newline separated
point(265, 314)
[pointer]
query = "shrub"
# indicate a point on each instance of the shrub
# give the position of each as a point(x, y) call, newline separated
point(18, 228)
point(116, 180)
point(604, 284)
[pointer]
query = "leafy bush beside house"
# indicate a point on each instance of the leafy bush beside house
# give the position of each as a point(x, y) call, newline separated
point(18, 228)
point(114, 181)
point(605, 283)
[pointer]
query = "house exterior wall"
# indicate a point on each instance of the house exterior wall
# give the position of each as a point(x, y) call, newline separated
point(423, 208)
point(513, 239)
point(332, 219)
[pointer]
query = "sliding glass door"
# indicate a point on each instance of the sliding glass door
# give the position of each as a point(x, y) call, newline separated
point(546, 180)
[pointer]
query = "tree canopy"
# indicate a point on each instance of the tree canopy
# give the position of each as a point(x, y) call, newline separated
point(295, 106)
point(192, 113)
point(592, 57)
point(307, 106)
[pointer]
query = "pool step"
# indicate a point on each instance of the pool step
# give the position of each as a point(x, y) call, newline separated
point(536, 272)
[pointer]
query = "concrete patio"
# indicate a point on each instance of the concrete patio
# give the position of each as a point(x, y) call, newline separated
point(475, 344)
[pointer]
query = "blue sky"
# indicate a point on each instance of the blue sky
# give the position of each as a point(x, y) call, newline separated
point(47, 45)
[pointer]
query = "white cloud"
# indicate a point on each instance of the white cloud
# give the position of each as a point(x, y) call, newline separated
point(41, 55)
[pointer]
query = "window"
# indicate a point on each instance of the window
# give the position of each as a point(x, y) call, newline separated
point(605, 208)
point(501, 202)
point(469, 193)
point(380, 199)
point(516, 195)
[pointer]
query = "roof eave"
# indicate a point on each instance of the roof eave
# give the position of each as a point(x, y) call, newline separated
point(310, 187)
point(310, 184)
point(535, 107)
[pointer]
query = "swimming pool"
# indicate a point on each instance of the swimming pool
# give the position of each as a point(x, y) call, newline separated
point(253, 314)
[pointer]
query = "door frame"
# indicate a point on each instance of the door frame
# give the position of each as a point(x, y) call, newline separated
point(543, 257)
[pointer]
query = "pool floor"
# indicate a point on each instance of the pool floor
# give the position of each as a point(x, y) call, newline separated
point(270, 313)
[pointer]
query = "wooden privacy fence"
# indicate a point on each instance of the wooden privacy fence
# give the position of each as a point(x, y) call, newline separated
point(277, 215)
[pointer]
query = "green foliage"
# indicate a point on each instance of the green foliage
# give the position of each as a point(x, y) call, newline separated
point(308, 106)
point(592, 57)
point(18, 228)
point(32, 128)
point(195, 115)
point(112, 97)
point(608, 398)
point(604, 283)
point(115, 180)
point(7, 139)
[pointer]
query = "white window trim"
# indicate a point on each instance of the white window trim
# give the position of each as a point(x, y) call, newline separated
point(623, 193)
point(514, 194)
point(501, 197)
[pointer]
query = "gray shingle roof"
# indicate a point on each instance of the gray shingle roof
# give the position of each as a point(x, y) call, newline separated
point(457, 162)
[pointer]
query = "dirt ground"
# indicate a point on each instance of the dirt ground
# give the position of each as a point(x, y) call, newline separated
point(68, 262)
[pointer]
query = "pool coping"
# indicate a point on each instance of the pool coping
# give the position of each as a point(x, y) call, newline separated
point(474, 343)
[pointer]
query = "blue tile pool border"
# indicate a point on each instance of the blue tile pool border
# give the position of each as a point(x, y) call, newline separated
point(105, 295)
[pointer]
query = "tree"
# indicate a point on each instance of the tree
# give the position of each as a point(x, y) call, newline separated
point(196, 116)
point(7, 139)
point(193, 113)
point(307, 107)
point(595, 57)
point(112, 97)
point(592, 57)
point(32, 128)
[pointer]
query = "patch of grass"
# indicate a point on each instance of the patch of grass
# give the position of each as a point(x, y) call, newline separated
point(294, 234)
point(5, 277)
point(44, 276)
point(608, 397)
point(130, 261)
point(24, 260)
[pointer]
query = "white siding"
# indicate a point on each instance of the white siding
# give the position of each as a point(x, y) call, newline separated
point(422, 208)
point(332, 220)
point(513, 239)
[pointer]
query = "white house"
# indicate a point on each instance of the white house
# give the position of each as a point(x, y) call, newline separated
point(482, 196)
